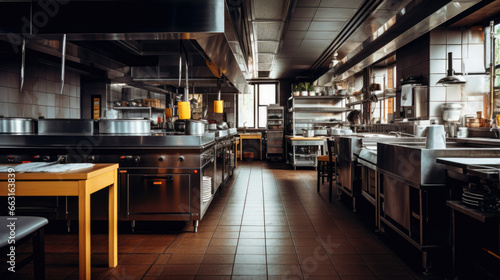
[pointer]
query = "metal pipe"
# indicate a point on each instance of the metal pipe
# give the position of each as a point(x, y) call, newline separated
point(23, 62)
point(186, 89)
point(63, 62)
point(492, 71)
point(218, 89)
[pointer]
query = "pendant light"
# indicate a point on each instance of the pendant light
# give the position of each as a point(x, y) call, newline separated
point(451, 78)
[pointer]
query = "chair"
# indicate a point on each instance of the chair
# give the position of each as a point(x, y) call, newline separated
point(327, 167)
point(23, 228)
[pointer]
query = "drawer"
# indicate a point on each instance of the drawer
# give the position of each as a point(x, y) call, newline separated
point(274, 142)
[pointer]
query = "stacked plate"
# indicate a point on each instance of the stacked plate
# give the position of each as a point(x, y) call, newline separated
point(207, 188)
point(472, 198)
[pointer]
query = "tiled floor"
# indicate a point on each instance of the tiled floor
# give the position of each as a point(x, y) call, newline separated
point(267, 223)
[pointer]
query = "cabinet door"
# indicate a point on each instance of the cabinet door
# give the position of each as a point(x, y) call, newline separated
point(162, 194)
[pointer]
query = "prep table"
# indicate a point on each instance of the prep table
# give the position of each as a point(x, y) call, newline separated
point(303, 151)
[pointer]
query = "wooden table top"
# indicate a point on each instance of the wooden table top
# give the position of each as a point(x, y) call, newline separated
point(80, 174)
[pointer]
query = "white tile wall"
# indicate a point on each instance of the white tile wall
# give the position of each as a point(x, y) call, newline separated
point(443, 41)
point(41, 92)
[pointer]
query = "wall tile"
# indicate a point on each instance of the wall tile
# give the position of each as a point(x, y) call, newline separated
point(72, 90)
point(50, 74)
point(42, 111)
point(42, 99)
point(51, 112)
point(434, 78)
point(454, 93)
point(455, 49)
point(437, 52)
point(51, 87)
point(457, 65)
point(437, 66)
point(42, 85)
point(4, 78)
point(454, 37)
point(73, 102)
point(437, 93)
point(14, 80)
point(13, 95)
point(26, 97)
point(435, 109)
point(4, 94)
point(74, 114)
point(65, 102)
point(4, 109)
point(438, 36)
point(51, 99)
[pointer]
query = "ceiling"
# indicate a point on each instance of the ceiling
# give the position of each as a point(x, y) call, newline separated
point(292, 40)
point(297, 39)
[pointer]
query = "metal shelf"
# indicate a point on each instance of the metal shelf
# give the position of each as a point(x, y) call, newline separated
point(138, 108)
point(320, 97)
point(320, 110)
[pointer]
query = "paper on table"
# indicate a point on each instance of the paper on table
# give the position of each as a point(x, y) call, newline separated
point(51, 167)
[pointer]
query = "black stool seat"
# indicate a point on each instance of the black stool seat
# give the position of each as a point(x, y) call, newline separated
point(24, 226)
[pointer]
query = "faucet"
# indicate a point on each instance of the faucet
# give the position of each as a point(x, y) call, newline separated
point(244, 127)
point(400, 134)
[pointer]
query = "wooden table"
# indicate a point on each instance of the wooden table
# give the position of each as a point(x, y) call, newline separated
point(257, 136)
point(81, 183)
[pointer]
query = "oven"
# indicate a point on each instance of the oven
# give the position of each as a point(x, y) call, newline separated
point(219, 164)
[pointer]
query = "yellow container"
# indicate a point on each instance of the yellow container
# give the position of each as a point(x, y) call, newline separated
point(184, 110)
point(498, 120)
point(168, 112)
point(218, 106)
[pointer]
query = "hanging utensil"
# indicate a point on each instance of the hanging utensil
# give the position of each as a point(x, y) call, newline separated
point(63, 62)
point(23, 56)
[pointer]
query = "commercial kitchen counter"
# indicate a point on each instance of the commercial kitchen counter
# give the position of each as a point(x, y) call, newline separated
point(162, 177)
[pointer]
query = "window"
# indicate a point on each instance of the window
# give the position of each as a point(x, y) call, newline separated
point(267, 96)
point(251, 112)
point(246, 109)
point(497, 52)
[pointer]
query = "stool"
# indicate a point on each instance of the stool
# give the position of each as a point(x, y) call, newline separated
point(327, 168)
point(23, 228)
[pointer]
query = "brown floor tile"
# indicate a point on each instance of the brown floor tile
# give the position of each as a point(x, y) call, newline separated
point(224, 242)
point(307, 242)
point(250, 259)
point(280, 250)
point(251, 250)
point(185, 259)
point(311, 250)
point(226, 234)
point(249, 277)
point(249, 269)
point(252, 234)
point(277, 228)
point(218, 259)
point(283, 269)
point(221, 250)
point(388, 269)
point(195, 242)
point(346, 259)
point(353, 269)
point(133, 259)
point(215, 269)
point(175, 277)
point(320, 269)
point(129, 271)
point(252, 228)
point(162, 258)
point(278, 234)
point(227, 228)
point(314, 259)
point(155, 270)
point(279, 242)
point(180, 269)
point(149, 249)
point(252, 242)
point(282, 259)
point(324, 277)
point(199, 235)
point(210, 277)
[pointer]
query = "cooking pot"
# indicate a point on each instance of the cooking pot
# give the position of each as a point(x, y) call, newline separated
point(308, 132)
point(451, 112)
point(195, 127)
point(125, 126)
point(16, 125)
point(180, 125)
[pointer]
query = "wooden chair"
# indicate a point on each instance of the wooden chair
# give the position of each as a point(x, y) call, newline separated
point(327, 168)
point(23, 228)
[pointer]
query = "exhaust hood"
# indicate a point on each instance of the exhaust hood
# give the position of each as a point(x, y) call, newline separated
point(118, 29)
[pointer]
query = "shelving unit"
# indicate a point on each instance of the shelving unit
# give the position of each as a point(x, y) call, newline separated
point(150, 109)
point(274, 132)
point(305, 112)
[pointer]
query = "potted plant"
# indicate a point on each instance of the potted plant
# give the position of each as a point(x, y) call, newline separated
point(310, 88)
point(297, 89)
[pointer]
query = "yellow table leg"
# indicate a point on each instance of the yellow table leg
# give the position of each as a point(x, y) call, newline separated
point(113, 220)
point(84, 231)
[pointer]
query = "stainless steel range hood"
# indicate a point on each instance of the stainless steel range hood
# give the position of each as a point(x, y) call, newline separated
point(160, 23)
point(416, 19)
